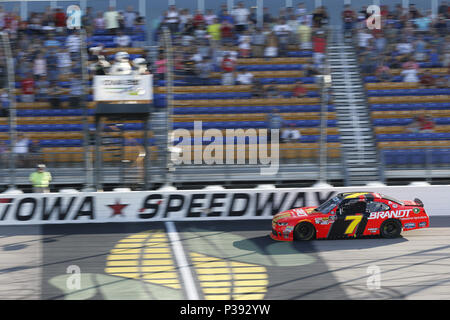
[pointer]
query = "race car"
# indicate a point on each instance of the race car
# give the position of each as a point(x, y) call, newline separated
point(350, 215)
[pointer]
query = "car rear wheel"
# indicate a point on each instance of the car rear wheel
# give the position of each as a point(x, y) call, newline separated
point(390, 229)
point(304, 231)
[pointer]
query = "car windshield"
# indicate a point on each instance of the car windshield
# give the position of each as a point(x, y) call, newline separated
point(328, 205)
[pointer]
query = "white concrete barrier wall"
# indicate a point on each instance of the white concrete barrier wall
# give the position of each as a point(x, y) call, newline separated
point(142, 206)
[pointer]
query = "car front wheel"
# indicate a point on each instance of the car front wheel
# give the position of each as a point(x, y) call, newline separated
point(304, 231)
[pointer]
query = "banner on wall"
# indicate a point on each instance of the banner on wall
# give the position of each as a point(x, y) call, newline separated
point(190, 205)
point(123, 88)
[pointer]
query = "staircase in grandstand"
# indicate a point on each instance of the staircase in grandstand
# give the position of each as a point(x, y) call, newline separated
point(357, 139)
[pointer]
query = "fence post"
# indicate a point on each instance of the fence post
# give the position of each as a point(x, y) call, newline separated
point(12, 117)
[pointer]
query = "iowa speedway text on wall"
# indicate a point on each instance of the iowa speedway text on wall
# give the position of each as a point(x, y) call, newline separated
point(185, 205)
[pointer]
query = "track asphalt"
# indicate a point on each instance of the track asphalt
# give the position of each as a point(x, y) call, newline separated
point(218, 260)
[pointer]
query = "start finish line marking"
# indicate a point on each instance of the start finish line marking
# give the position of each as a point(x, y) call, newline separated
point(180, 257)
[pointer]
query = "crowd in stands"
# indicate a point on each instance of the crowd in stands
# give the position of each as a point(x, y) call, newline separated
point(409, 39)
point(47, 55)
point(408, 49)
point(47, 61)
point(213, 41)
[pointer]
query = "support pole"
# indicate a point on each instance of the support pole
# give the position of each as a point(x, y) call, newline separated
point(12, 108)
point(88, 168)
point(169, 85)
point(325, 94)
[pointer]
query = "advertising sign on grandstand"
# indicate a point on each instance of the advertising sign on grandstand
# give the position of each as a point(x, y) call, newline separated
point(123, 88)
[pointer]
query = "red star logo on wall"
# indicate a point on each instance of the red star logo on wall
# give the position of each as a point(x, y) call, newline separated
point(117, 208)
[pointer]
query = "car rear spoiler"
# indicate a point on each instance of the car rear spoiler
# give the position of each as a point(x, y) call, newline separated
point(419, 202)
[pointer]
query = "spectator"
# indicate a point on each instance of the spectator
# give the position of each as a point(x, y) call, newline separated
point(299, 90)
point(300, 10)
point(272, 91)
point(275, 122)
point(73, 43)
point(185, 17)
point(245, 45)
point(161, 67)
point(27, 86)
point(228, 67)
point(271, 49)
point(409, 72)
point(267, 17)
point(60, 20)
point(383, 72)
point(99, 22)
point(210, 17)
point(244, 77)
point(199, 19)
point(52, 65)
point(443, 9)
point(204, 70)
point(241, 15)
point(3, 154)
point(42, 85)
point(87, 20)
point(294, 24)
point(225, 16)
point(319, 47)
point(54, 95)
point(122, 40)
point(64, 61)
point(258, 39)
point(442, 82)
point(363, 40)
point(214, 31)
point(348, 18)
point(34, 153)
point(304, 31)
point(310, 70)
point(423, 24)
point(51, 42)
point(226, 32)
point(111, 18)
point(380, 43)
point(258, 90)
point(283, 31)
point(368, 63)
point(40, 179)
point(4, 103)
point(190, 69)
point(290, 134)
point(320, 17)
point(40, 66)
point(420, 49)
point(173, 19)
point(426, 124)
point(76, 92)
point(2, 18)
point(129, 17)
point(434, 59)
point(3, 74)
point(21, 149)
point(427, 80)
point(404, 47)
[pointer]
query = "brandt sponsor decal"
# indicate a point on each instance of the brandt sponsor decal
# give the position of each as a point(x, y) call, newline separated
point(390, 214)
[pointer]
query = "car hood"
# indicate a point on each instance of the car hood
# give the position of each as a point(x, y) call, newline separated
point(304, 212)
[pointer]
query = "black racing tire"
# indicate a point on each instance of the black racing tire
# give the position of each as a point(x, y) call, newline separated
point(304, 231)
point(390, 229)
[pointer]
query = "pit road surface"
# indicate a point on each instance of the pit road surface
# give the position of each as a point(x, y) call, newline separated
point(218, 260)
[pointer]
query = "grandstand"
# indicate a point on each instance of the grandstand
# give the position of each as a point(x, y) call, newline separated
point(53, 106)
